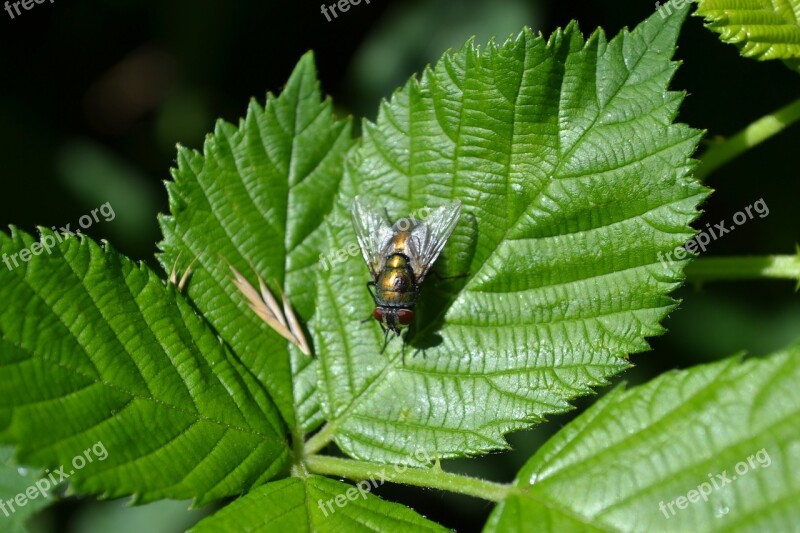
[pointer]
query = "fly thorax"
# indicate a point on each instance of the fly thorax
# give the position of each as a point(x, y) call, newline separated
point(397, 261)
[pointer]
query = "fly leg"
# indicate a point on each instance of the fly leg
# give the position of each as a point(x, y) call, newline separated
point(372, 293)
point(386, 338)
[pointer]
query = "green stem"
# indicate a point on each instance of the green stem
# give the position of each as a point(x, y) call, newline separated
point(744, 267)
point(757, 132)
point(434, 478)
point(321, 439)
point(298, 466)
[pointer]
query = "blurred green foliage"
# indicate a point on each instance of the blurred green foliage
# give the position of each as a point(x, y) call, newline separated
point(97, 93)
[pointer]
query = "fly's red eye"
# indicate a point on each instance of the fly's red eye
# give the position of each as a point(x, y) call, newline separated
point(405, 317)
point(377, 314)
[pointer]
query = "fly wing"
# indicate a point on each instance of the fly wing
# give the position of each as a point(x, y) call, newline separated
point(429, 237)
point(373, 233)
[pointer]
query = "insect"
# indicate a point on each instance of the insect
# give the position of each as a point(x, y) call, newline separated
point(399, 257)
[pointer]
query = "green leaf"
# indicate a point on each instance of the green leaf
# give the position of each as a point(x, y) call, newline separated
point(257, 196)
point(16, 480)
point(310, 504)
point(95, 349)
point(761, 29)
point(573, 180)
point(727, 429)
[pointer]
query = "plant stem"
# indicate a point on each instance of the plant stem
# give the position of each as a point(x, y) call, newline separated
point(744, 267)
point(757, 132)
point(320, 439)
point(298, 438)
point(434, 478)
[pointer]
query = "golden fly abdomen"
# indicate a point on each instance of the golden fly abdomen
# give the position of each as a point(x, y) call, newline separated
point(396, 286)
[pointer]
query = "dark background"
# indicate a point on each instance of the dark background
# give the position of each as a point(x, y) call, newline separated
point(96, 94)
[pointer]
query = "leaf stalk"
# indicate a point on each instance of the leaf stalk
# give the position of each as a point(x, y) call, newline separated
point(756, 133)
point(744, 268)
point(420, 477)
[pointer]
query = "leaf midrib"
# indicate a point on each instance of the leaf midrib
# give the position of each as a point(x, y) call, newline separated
point(392, 363)
point(114, 386)
point(134, 396)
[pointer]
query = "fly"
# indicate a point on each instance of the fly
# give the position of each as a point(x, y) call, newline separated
point(399, 256)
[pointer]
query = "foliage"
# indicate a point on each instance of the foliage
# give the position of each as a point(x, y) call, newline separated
point(575, 182)
point(762, 29)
